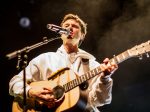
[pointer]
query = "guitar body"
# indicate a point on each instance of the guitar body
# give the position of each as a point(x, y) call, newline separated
point(73, 100)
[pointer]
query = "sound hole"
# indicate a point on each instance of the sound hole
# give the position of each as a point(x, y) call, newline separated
point(58, 91)
point(84, 85)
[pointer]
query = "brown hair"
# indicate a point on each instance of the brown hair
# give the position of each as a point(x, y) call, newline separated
point(78, 19)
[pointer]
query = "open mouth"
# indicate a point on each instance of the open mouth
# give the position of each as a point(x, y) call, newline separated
point(69, 37)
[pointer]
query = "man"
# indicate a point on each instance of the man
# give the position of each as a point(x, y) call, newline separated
point(98, 89)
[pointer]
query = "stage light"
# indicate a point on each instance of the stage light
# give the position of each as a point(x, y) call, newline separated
point(25, 22)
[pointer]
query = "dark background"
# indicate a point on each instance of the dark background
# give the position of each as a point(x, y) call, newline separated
point(113, 27)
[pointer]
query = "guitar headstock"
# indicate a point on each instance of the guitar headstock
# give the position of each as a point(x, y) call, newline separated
point(140, 50)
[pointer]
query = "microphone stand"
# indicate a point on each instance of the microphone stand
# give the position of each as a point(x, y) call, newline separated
point(22, 60)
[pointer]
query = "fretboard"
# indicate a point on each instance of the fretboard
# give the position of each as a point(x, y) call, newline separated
point(90, 74)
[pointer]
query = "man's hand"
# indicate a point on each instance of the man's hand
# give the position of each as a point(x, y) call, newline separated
point(44, 95)
point(108, 67)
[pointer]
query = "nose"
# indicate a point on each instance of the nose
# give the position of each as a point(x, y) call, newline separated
point(70, 28)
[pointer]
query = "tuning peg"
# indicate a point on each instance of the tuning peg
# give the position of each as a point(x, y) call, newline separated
point(147, 55)
point(140, 57)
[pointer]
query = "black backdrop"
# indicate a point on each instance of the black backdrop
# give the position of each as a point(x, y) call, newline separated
point(113, 27)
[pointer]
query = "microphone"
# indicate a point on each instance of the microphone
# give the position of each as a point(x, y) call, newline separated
point(58, 29)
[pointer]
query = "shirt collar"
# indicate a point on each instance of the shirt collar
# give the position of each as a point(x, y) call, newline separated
point(81, 53)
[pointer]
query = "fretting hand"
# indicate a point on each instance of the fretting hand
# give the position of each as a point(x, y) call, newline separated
point(108, 67)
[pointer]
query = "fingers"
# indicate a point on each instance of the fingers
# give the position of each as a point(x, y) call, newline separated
point(47, 100)
point(47, 97)
point(108, 66)
point(46, 94)
point(47, 90)
point(50, 105)
point(106, 60)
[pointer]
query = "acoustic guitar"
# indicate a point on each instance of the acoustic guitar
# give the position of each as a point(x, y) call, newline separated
point(66, 85)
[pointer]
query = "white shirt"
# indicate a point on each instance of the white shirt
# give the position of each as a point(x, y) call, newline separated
point(47, 63)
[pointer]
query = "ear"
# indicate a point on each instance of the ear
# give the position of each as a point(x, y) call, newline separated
point(82, 37)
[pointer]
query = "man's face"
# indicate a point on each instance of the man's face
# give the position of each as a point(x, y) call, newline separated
point(75, 32)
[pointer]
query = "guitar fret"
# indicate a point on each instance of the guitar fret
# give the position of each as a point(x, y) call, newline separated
point(84, 78)
point(79, 80)
point(71, 84)
point(69, 87)
point(93, 73)
point(123, 55)
point(90, 74)
point(74, 82)
point(97, 70)
point(87, 75)
point(127, 54)
point(65, 87)
point(117, 58)
point(114, 59)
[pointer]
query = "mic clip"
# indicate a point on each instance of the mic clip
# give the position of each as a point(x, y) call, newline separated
point(58, 29)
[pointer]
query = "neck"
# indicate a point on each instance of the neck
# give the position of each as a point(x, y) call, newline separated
point(70, 48)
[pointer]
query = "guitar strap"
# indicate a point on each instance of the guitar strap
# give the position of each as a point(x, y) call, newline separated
point(85, 65)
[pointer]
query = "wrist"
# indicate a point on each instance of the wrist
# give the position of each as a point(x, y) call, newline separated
point(104, 79)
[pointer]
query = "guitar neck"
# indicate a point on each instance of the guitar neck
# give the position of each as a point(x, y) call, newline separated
point(138, 50)
point(90, 74)
point(121, 57)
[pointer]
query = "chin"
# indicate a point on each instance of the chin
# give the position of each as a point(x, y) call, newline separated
point(70, 43)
